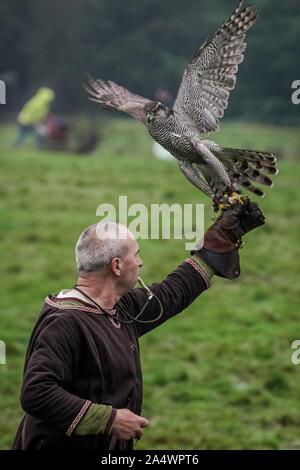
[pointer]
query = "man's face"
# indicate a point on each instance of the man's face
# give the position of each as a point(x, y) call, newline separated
point(131, 264)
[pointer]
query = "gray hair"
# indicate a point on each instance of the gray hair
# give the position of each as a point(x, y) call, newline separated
point(99, 244)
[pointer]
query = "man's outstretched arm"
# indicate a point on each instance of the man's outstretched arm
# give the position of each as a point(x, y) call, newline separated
point(217, 252)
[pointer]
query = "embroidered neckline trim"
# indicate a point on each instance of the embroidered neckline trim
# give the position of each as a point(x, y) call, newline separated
point(71, 303)
point(64, 304)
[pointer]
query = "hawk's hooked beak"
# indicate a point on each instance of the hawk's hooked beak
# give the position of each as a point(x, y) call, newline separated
point(149, 117)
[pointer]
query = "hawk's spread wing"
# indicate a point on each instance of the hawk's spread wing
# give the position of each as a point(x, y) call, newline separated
point(204, 90)
point(117, 98)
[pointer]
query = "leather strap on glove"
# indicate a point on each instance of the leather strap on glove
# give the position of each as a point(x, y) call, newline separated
point(219, 248)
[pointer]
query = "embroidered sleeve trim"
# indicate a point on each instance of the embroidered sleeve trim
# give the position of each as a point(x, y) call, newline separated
point(200, 271)
point(78, 418)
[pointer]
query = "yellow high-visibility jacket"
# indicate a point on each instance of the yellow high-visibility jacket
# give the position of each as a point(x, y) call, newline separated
point(37, 108)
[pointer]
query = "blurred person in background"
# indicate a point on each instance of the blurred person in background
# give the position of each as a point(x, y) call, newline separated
point(32, 116)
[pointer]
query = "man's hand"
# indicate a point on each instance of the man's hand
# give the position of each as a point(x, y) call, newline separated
point(219, 246)
point(128, 425)
point(234, 222)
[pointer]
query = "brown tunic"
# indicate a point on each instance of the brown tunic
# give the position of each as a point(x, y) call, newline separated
point(77, 356)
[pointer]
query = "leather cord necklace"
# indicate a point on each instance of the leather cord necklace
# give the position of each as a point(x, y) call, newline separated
point(150, 294)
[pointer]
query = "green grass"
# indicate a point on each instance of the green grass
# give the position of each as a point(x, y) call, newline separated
point(219, 375)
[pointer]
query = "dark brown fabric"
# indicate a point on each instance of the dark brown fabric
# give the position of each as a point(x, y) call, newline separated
point(77, 354)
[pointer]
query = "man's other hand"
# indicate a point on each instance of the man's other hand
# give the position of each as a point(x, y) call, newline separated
point(128, 425)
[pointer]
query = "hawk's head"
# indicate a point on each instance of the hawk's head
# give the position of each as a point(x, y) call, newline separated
point(157, 112)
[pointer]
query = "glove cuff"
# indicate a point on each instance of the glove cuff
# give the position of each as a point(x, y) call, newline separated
point(225, 264)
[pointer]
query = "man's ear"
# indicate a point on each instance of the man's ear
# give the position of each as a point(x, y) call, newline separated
point(116, 264)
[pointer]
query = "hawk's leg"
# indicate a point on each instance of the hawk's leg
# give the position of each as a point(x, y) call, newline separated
point(193, 176)
point(212, 161)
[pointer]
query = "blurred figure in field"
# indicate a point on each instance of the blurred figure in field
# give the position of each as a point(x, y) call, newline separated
point(33, 114)
point(55, 129)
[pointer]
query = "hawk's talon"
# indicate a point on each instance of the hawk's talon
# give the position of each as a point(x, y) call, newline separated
point(219, 207)
point(220, 204)
point(228, 200)
point(236, 198)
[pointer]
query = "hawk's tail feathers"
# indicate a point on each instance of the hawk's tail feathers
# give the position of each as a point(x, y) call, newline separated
point(245, 166)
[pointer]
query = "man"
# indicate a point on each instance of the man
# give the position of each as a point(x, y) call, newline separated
point(82, 385)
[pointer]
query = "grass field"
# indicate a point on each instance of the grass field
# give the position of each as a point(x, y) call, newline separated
point(219, 375)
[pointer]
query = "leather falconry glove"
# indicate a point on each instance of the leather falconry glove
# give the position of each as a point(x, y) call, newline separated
point(219, 249)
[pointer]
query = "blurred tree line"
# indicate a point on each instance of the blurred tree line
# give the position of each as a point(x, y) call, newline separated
point(144, 45)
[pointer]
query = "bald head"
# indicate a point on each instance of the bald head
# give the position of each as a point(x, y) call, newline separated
point(99, 244)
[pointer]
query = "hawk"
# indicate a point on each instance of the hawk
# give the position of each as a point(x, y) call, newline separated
point(217, 171)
